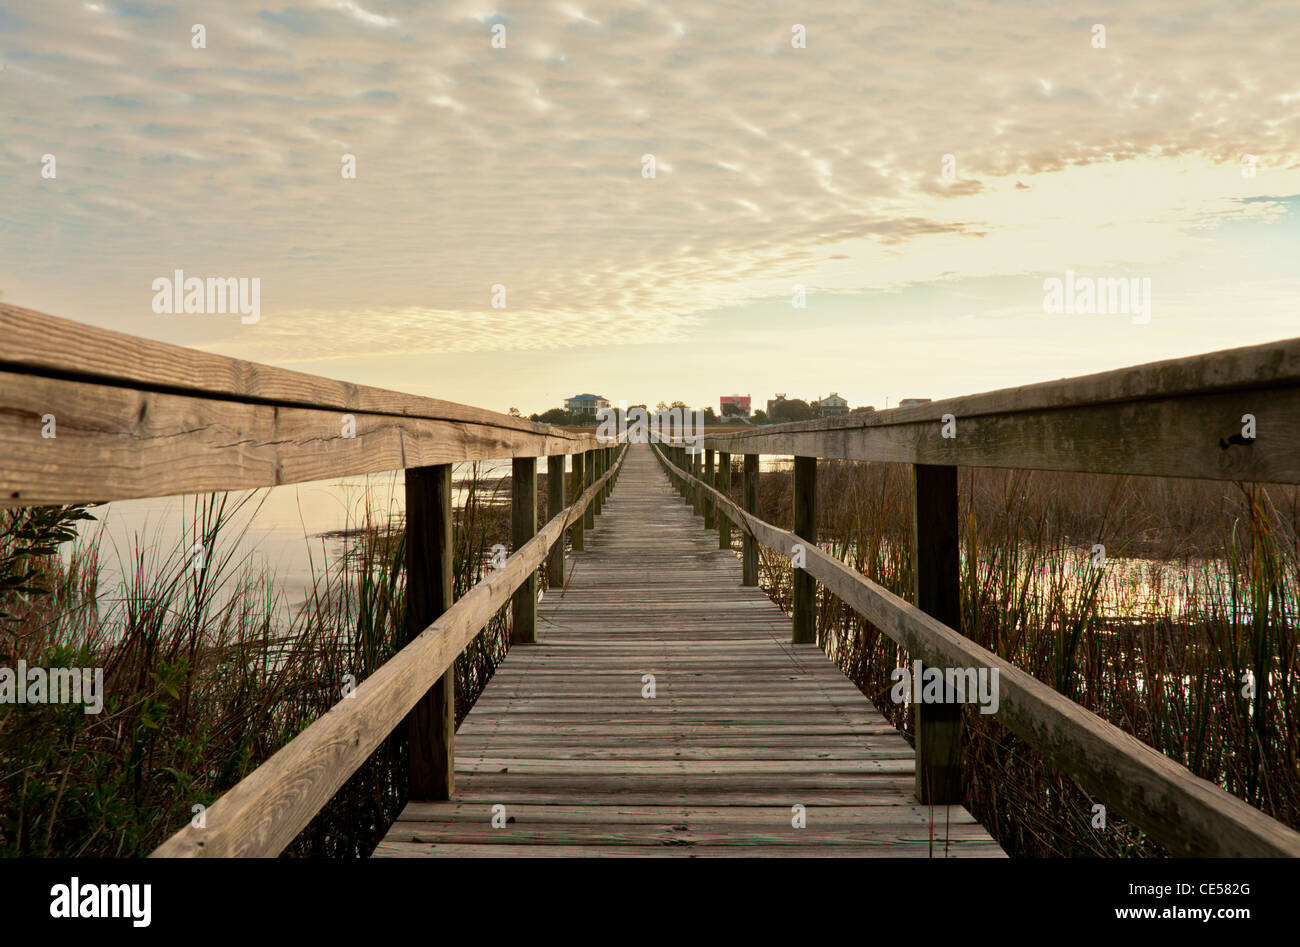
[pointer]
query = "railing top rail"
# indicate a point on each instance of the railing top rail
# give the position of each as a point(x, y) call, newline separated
point(40, 344)
point(1177, 418)
point(1271, 365)
point(92, 415)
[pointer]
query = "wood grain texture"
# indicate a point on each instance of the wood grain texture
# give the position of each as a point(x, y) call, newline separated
point(135, 418)
point(40, 344)
point(1189, 815)
point(116, 443)
point(1168, 419)
point(743, 725)
point(431, 724)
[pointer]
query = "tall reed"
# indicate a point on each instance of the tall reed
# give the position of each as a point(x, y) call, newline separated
point(205, 676)
point(1195, 601)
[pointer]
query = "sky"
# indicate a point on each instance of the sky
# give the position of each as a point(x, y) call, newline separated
point(919, 169)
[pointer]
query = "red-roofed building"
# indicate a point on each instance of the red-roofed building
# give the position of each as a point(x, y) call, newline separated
point(734, 406)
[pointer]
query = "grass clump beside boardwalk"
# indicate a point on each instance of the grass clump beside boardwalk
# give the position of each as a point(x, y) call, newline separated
point(204, 676)
point(1197, 601)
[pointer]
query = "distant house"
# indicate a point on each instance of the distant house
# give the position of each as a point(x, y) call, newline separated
point(908, 402)
point(585, 405)
point(734, 405)
point(831, 405)
point(773, 402)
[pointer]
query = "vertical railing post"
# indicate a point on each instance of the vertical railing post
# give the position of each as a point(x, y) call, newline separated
point(589, 475)
point(805, 527)
point(576, 531)
point(937, 586)
point(431, 724)
point(554, 506)
point(708, 480)
point(598, 502)
point(523, 527)
point(695, 489)
point(724, 487)
point(749, 548)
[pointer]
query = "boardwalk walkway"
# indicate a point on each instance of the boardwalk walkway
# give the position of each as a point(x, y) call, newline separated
point(743, 725)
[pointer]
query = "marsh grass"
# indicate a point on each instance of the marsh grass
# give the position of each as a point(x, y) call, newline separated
point(205, 676)
point(1199, 596)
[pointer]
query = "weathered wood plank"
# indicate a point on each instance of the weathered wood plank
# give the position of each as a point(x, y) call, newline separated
point(1191, 816)
point(742, 724)
point(115, 443)
point(1168, 419)
point(39, 344)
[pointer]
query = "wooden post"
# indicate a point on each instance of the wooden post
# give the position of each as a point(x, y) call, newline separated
point(694, 491)
point(935, 567)
point(589, 475)
point(749, 550)
point(598, 500)
point(554, 505)
point(724, 487)
point(576, 531)
point(431, 724)
point(523, 527)
point(805, 527)
point(708, 480)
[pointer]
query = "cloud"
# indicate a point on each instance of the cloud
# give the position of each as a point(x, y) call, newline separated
point(522, 165)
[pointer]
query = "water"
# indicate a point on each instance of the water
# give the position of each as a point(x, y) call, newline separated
point(289, 531)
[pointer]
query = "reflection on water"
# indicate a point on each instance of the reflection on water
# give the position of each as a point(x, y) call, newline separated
point(291, 531)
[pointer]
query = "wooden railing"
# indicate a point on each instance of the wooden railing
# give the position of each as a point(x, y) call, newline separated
point(88, 415)
point(1181, 418)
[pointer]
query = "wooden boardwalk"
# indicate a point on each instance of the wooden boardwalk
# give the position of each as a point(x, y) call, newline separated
point(743, 726)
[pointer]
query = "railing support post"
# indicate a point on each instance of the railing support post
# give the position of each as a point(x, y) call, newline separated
point(749, 550)
point(589, 477)
point(935, 568)
point(523, 527)
point(708, 479)
point(431, 724)
point(804, 619)
point(576, 531)
point(724, 487)
point(696, 495)
point(555, 505)
point(598, 501)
